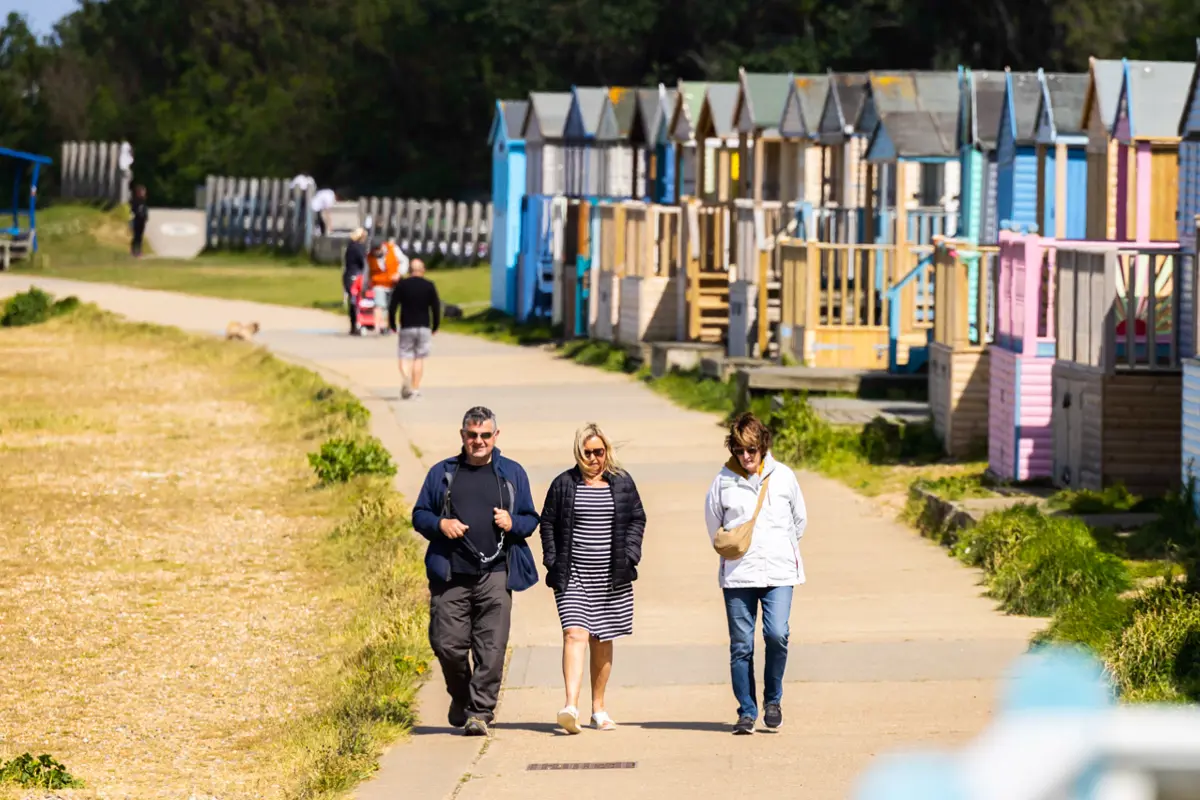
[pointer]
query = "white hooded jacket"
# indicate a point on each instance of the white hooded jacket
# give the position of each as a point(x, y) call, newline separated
point(774, 555)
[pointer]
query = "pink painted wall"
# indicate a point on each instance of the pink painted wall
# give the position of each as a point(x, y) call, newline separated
point(1019, 301)
point(1020, 395)
point(1020, 443)
point(1144, 192)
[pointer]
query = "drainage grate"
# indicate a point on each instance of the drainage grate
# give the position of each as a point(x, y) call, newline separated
point(581, 765)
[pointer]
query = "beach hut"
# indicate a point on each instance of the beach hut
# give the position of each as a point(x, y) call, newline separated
point(758, 111)
point(666, 182)
point(508, 190)
point(912, 157)
point(624, 162)
point(720, 163)
point(1099, 109)
point(802, 178)
point(839, 215)
point(1062, 156)
point(585, 153)
point(958, 349)
point(1146, 129)
point(1189, 208)
point(544, 208)
point(913, 186)
point(1116, 378)
point(681, 133)
point(1016, 150)
point(758, 212)
point(982, 102)
point(657, 155)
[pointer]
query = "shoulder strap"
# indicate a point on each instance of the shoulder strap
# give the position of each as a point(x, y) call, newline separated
point(762, 494)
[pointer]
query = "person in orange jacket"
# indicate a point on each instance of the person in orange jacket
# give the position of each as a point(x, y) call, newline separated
point(387, 265)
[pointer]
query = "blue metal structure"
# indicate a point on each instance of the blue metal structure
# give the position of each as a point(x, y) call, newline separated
point(508, 190)
point(35, 163)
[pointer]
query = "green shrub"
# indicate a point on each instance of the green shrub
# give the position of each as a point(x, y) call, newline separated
point(1114, 499)
point(1157, 656)
point(1054, 566)
point(1036, 564)
point(957, 487)
point(34, 307)
point(42, 772)
point(341, 403)
point(1095, 621)
point(987, 544)
point(341, 459)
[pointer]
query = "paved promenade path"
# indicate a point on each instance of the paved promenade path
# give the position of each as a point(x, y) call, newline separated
point(892, 643)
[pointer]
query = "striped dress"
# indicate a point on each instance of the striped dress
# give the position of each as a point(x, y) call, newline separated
point(589, 601)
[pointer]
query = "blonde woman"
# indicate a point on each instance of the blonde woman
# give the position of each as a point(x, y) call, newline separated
point(592, 525)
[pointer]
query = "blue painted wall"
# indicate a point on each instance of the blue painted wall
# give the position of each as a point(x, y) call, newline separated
point(1191, 424)
point(1049, 191)
point(664, 177)
point(1076, 209)
point(508, 188)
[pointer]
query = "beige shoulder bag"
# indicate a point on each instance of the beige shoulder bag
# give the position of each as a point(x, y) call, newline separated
point(733, 544)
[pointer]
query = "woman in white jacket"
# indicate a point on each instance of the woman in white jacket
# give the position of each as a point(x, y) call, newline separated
point(769, 569)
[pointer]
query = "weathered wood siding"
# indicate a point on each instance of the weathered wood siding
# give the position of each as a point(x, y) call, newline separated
point(958, 397)
point(1122, 428)
point(1142, 431)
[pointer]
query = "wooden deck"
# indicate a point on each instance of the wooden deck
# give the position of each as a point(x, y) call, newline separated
point(826, 380)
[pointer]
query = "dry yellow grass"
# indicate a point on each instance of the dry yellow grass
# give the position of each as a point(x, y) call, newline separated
point(169, 619)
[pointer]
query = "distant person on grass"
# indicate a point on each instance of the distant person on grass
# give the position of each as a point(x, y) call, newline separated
point(139, 216)
point(476, 510)
point(420, 315)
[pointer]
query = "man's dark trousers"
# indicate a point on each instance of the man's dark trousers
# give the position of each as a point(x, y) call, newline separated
point(471, 614)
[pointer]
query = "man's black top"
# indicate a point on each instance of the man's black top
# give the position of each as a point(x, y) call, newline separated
point(417, 299)
point(474, 493)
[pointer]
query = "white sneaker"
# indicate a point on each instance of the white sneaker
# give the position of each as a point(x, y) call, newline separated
point(568, 719)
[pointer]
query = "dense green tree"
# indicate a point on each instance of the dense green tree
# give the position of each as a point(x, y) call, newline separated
point(395, 96)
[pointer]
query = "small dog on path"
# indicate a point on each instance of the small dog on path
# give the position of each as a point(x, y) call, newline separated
point(241, 331)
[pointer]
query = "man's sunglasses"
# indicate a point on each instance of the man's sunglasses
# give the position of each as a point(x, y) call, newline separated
point(598, 453)
point(739, 451)
point(485, 435)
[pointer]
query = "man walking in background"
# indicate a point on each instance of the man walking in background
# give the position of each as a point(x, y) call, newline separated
point(420, 315)
point(476, 510)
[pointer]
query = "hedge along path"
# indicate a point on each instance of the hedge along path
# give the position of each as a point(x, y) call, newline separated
point(166, 619)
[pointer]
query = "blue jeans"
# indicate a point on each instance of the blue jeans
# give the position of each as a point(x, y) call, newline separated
point(741, 610)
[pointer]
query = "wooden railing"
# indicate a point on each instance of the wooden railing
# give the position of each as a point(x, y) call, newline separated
point(833, 289)
point(1118, 308)
point(962, 282)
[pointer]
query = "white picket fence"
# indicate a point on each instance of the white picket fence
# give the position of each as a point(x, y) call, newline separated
point(257, 212)
point(459, 232)
point(95, 171)
point(266, 212)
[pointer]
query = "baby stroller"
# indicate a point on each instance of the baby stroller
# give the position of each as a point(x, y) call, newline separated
point(363, 302)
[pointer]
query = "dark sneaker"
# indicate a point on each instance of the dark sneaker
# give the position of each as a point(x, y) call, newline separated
point(475, 727)
point(744, 726)
point(773, 717)
point(457, 716)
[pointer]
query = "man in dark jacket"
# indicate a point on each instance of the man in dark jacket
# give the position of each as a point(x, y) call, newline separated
point(476, 510)
point(354, 265)
point(140, 214)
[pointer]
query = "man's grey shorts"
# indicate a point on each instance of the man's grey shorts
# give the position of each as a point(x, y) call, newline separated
point(415, 342)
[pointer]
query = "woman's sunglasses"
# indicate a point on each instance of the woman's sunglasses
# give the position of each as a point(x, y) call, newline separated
point(740, 451)
point(597, 453)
